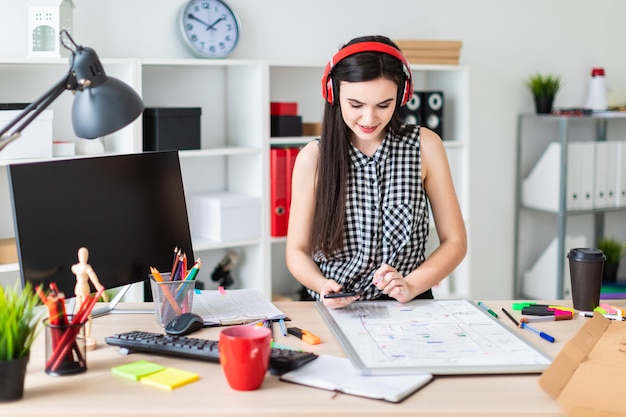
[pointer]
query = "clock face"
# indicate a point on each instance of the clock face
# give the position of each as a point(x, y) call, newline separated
point(210, 28)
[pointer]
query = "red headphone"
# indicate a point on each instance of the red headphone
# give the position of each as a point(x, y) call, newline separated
point(327, 82)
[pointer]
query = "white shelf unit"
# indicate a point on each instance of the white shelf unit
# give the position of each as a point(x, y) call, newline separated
point(234, 96)
point(546, 222)
point(233, 126)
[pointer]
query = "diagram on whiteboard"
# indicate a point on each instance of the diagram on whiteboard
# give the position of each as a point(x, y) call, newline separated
point(438, 336)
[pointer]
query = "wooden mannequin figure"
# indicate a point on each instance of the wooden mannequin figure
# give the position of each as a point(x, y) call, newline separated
point(85, 273)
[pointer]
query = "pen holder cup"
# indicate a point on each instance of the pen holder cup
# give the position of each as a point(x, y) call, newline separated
point(66, 348)
point(171, 298)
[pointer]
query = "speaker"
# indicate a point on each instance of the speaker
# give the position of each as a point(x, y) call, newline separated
point(411, 112)
point(432, 111)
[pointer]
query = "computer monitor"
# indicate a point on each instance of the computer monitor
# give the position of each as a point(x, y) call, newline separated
point(129, 211)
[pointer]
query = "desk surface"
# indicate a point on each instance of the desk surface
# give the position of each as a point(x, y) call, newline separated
point(99, 392)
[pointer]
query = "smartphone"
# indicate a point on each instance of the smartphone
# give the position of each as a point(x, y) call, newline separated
point(341, 294)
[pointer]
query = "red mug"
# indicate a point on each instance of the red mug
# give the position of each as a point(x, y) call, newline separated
point(245, 355)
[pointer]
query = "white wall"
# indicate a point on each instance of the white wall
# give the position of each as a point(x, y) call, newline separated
point(503, 42)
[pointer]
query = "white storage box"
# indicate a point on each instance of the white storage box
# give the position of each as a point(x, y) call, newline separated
point(36, 139)
point(540, 280)
point(224, 216)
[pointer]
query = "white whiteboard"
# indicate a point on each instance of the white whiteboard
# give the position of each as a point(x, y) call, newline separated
point(441, 337)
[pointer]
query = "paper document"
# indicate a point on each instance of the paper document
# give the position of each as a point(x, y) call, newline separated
point(223, 308)
point(337, 374)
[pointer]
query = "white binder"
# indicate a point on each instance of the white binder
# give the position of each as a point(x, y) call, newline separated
point(620, 174)
point(540, 279)
point(601, 189)
point(585, 171)
point(541, 187)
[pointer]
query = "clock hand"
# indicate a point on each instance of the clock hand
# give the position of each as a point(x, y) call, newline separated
point(215, 23)
point(192, 17)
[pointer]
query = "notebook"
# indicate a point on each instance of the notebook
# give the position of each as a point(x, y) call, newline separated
point(228, 307)
point(334, 373)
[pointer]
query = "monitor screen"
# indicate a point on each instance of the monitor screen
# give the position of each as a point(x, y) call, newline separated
point(129, 211)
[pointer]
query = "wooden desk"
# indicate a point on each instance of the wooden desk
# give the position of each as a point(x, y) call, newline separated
point(98, 392)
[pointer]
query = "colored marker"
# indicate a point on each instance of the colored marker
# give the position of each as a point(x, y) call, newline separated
point(536, 319)
point(541, 334)
point(510, 316)
point(490, 311)
point(618, 317)
point(305, 335)
point(535, 306)
point(608, 308)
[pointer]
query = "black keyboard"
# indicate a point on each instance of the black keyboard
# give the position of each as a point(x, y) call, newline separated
point(281, 360)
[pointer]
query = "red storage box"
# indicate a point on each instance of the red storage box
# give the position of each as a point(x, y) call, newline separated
point(283, 109)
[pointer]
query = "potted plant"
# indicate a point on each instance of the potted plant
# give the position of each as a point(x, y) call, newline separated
point(544, 88)
point(614, 252)
point(19, 324)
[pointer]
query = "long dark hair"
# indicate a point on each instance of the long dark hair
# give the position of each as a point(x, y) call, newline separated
point(334, 162)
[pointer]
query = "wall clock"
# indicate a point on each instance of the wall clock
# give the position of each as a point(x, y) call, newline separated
point(210, 28)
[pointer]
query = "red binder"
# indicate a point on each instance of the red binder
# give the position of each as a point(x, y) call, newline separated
point(292, 153)
point(278, 192)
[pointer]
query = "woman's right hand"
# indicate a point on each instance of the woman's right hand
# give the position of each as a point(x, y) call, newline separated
point(332, 286)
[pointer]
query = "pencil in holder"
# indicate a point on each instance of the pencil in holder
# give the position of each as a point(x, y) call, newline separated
point(66, 352)
point(171, 298)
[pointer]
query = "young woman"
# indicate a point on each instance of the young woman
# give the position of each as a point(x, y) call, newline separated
point(359, 215)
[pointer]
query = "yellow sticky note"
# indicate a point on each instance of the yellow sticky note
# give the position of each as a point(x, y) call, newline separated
point(170, 378)
point(136, 370)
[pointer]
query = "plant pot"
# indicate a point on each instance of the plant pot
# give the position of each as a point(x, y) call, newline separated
point(609, 273)
point(543, 104)
point(12, 375)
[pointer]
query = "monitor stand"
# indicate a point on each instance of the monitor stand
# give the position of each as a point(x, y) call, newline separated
point(111, 306)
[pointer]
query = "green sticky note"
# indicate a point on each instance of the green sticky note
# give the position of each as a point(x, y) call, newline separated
point(136, 370)
point(169, 378)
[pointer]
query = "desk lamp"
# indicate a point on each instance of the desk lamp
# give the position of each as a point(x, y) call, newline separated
point(102, 104)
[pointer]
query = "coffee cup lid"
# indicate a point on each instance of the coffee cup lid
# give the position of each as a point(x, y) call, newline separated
point(586, 254)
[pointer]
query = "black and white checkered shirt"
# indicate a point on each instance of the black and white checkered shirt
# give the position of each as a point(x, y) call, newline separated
point(387, 216)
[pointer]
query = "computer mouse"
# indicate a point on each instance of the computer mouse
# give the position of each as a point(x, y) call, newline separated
point(184, 324)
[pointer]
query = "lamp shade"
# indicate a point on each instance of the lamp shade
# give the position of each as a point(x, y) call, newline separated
point(104, 104)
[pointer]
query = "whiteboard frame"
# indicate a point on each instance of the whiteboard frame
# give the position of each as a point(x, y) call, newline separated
point(355, 354)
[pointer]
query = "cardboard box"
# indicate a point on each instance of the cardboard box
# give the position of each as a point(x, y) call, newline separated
point(311, 129)
point(587, 376)
point(430, 52)
point(8, 251)
point(36, 139)
point(225, 216)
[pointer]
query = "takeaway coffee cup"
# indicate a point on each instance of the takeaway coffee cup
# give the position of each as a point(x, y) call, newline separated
point(585, 269)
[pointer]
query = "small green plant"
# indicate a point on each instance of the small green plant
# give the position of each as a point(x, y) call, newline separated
point(613, 250)
point(544, 85)
point(19, 320)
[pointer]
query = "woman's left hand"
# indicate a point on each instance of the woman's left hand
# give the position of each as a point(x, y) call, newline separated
point(391, 282)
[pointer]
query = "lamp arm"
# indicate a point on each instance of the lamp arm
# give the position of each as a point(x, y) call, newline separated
point(35, 108)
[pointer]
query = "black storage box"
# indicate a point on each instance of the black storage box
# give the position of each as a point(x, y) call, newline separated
point(171, 128)
point(285, 126)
